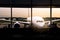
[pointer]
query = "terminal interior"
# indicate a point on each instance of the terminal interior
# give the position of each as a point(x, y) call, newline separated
point(12, 11)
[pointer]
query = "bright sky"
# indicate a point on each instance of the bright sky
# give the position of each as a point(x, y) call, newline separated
point(25, 12)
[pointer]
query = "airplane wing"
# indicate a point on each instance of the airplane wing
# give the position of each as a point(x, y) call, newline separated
point(56, 20)
point(25, 23)
point(21, 22)
point(48, 22)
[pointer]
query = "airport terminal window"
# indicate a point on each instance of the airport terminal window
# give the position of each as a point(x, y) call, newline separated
point(5, 15)
point(21, 14)
point(56, 16)
point(43, 13)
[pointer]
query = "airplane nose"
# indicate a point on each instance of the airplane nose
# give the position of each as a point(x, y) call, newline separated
point(39, 24)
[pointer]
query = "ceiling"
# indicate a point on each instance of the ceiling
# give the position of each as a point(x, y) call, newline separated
point(27, 3)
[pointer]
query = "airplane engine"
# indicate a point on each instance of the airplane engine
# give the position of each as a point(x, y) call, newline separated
point(17, 25)
point(58, 25)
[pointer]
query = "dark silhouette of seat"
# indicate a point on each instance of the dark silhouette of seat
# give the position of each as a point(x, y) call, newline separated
point(54, 25)
point(9, 25)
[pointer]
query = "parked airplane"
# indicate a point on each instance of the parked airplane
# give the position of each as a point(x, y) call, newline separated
point(37, 22)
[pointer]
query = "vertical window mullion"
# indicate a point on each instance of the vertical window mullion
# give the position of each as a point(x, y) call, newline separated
point(50, 12)
point(11, 12)
point(31, 12)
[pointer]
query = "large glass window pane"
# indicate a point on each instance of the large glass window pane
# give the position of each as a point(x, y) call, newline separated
point(56, 16)
point(42, 19)
point(21, 15)
point(42, 12)
point(5, 15)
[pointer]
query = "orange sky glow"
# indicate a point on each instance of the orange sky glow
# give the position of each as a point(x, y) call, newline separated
point(26, 12)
